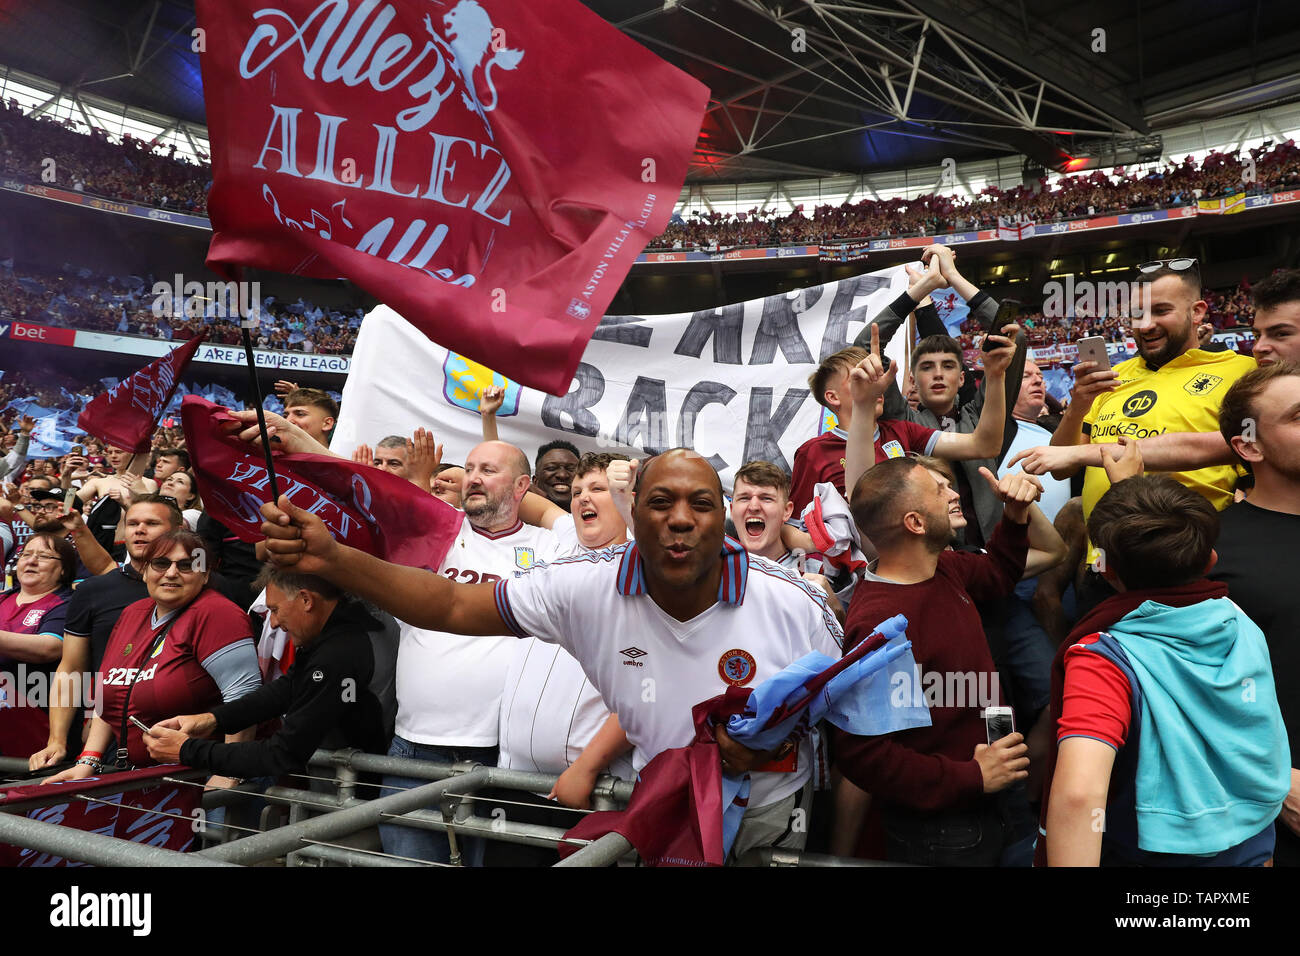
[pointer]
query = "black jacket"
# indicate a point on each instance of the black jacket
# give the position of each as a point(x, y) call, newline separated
point(325, 699)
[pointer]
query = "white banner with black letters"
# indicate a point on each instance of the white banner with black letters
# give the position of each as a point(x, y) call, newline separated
point(730, 382)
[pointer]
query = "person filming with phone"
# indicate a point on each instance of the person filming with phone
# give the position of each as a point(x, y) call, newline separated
point(1170, 386)
point(937, 786)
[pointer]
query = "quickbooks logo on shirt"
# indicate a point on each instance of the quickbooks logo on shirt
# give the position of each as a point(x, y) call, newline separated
point(1139, 403)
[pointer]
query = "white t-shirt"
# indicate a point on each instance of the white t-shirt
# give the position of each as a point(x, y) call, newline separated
point(449, 685)
point(1055, 491)
point(550, 710)
point(652, 669)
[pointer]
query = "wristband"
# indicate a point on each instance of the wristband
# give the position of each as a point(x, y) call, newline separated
point(91, 753)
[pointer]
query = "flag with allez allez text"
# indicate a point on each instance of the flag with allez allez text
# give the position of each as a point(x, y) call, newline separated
point(362, 506)
point(488, 168)
point(127, 414)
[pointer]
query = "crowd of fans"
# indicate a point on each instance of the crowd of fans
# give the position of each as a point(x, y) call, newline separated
point(975, 508)
point(123, 305)
point(1070, 197)
point(1225, 310)
point(77, 299)
point(86, 159)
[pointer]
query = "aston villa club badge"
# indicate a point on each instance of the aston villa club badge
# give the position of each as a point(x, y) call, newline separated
point(737, 667)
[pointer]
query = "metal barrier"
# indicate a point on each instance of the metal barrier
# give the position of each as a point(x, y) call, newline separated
point(318, 819)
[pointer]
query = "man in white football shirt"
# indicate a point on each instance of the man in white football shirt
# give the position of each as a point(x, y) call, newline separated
point(449, 685)
point(658, 624)
point(550, 711)
point(553, 720)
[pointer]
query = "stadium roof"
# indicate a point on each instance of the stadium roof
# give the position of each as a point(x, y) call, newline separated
point(814, 87)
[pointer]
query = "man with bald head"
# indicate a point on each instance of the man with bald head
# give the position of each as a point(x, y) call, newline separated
point(658, 624)
point(449, 686)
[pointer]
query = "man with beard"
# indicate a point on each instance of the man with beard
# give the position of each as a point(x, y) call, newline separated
point(21, 516)
point(449, 686)
point(1258, 560)
point(1277, 327)
point(937, 785)
point(1170, 386)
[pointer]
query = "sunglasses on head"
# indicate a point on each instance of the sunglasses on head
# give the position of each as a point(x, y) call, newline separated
point(1178, 265)
point(163, 565)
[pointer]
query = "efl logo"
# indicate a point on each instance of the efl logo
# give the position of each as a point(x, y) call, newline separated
point(464, 380)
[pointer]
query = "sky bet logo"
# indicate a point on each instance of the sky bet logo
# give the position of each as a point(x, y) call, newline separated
point(464, 380)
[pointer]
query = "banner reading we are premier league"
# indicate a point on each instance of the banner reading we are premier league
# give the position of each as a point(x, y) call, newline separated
point(731, 382)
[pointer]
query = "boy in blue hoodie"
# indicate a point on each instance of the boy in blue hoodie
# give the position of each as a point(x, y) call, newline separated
point(1170, 747)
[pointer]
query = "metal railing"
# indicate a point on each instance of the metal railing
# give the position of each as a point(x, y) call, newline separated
point(331, 824)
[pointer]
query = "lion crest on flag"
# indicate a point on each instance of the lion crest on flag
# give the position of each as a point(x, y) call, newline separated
point(470, 38)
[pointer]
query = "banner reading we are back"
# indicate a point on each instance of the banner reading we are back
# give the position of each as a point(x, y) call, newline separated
point(489, 168)
point(732, 382)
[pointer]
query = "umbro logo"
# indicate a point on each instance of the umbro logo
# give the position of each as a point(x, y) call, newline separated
point(632, 653)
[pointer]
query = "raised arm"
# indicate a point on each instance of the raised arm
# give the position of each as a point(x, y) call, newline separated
point(423, 456)
point(921, 283)
point(986, 440)
point(489, 403)
point(868, 383)
point(1089, 382)
point(91, 552)
point(621, 476)
point(300, 540)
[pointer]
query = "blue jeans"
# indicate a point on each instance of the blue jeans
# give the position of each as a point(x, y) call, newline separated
point(430, 844)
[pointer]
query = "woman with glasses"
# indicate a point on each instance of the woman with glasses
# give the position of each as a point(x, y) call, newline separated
point(31, 634)
point(182, 650)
